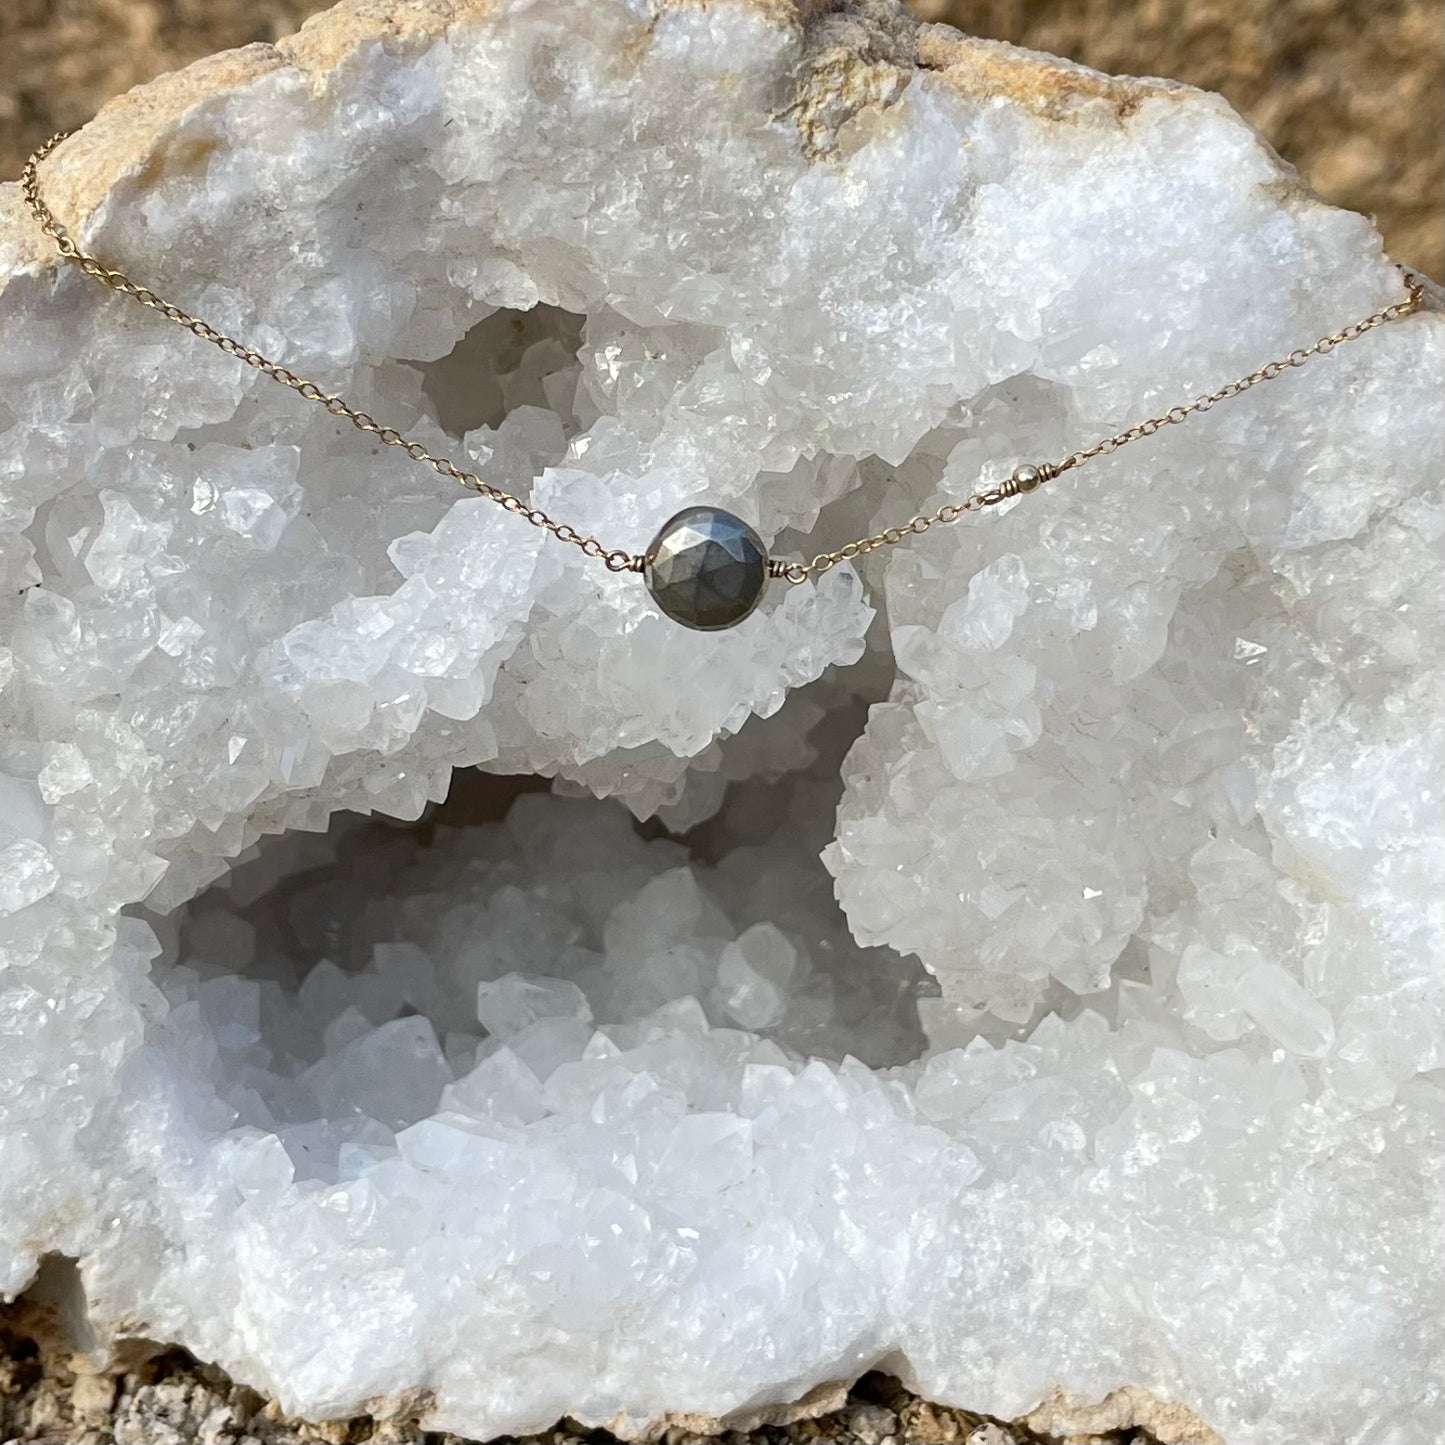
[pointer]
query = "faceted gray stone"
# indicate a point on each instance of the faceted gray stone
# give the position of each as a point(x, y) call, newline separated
point(707, 569)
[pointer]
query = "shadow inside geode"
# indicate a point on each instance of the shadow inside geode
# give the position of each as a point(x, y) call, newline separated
point(518, 959)
point(508, 359)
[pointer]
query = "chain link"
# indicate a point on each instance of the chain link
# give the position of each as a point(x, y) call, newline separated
point(1030, 478)
point(1271, 369)
point(1024, 478)
point(888, 537)
point(615, 560)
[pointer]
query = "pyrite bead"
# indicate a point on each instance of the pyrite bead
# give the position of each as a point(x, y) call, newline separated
point(706, 569)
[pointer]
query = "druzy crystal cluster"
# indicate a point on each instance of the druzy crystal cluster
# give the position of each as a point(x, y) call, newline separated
point(1016, 962)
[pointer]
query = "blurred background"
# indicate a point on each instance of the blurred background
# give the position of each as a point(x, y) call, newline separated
point(1352, 92)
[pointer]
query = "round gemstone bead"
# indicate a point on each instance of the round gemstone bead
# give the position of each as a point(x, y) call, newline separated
point(706, 569)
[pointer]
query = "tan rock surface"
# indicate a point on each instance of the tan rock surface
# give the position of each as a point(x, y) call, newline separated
point(1350, 91)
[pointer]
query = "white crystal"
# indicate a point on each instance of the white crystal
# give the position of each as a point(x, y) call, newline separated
point(515, 1002)
point(1279, 1004)
point(1145, 768)
point(26, 875)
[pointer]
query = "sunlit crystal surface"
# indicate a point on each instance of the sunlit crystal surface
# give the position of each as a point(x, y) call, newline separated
point(1104, 1043)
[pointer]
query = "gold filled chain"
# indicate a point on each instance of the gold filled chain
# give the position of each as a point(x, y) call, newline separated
point(615, 560)
point(1029, 478)
point(1024, 479)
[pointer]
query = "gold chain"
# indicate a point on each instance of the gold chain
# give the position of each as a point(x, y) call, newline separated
point(1030, 478)
point(615, 560)
point(1024, 478)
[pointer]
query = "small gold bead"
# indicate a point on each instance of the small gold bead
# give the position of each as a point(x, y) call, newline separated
point(1027, 478)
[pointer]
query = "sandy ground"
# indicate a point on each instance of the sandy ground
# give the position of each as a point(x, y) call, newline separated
point(1352, 92)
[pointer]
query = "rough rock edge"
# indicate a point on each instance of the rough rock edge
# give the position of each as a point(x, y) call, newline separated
point(50, 1392)
point(857, 56)
point(1129, 1408)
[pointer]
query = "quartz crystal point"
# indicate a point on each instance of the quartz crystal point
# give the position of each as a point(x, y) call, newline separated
point(1107, 1031)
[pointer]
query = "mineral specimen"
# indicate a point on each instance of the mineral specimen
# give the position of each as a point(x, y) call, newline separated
point(1120, 1063)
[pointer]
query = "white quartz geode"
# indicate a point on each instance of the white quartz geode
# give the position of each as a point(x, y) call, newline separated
point(512, 1120)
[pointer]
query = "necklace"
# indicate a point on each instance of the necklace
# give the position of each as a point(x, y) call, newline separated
point(706, 568)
